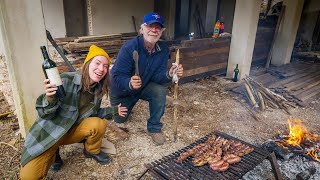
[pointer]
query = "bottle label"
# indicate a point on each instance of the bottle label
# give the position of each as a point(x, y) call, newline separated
point(53, 76)
point(235, 76)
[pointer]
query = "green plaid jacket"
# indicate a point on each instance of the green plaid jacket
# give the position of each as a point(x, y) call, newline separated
point(56, 118)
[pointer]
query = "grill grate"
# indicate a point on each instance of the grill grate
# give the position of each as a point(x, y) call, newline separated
point(168, 168)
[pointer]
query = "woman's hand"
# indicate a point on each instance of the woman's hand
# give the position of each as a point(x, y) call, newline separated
point(122, 111)
point(50, 88)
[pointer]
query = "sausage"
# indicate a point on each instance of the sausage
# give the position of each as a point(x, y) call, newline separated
point(219, 151)
point(228, 156)
point(217, 164)
point(214, 160)
point(234, 160)
point(236, 143)
point(224, 167)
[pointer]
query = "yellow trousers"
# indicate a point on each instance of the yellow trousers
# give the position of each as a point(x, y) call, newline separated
point(92, 129)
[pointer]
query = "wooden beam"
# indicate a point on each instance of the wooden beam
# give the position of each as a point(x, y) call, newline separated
point(205, 69)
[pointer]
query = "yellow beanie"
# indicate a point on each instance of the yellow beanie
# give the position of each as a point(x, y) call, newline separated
point(96, 51)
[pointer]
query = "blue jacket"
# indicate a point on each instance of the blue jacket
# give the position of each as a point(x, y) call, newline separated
point(152, 67)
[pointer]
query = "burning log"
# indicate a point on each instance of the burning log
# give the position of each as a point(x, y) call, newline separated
point(299, 141)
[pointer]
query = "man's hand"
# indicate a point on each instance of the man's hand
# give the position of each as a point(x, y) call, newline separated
point(122, 111)
point(179, 70)
point(50, 88)
point(135, 82)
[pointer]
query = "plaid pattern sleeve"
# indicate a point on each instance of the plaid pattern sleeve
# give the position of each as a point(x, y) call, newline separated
point(54, 119)
point(108, 112)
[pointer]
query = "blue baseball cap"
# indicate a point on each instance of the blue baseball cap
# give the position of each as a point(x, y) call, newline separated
point(153, 18)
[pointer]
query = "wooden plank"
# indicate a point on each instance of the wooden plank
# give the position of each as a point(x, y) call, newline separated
point(264, 79)
point(204, 47)
point(275, 166)
point(204, 42)
point(199, 53)
point(98, 38)
point(205, 69)
point(204, 61)
point(185, 79)
point(297, 70)
point(291, 79)
point(302, 82)
point(309, 93)
point(85, 45)
point(65, 39)
point(306, 88)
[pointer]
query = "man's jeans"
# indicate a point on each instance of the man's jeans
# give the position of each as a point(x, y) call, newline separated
point(155, 94)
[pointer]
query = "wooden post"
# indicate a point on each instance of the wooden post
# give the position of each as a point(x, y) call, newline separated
point(175, 108)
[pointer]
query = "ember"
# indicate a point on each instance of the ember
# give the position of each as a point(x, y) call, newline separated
point(300, 139)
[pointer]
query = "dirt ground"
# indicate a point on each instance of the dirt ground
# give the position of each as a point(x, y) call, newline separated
point(209, 108)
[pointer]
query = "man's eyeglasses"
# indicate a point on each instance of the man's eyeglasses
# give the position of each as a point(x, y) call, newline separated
point(154, 27)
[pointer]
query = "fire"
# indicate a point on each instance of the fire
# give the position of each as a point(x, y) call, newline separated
point(297, 132)
point(299, 136)
point(314, 153)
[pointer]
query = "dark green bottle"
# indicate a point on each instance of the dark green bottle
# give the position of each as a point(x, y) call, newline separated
point(235, 74)
point(51, 72)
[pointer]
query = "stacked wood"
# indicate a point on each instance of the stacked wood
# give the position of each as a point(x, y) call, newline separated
point(111, 43)
point(203, 57)
point(263, 97)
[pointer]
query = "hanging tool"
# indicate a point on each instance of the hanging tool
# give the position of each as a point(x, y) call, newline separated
point(136, 62)
point(49, 37)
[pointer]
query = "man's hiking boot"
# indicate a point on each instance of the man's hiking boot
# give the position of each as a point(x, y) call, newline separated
point(57, 165)
point(101, 158)
point(157, 138)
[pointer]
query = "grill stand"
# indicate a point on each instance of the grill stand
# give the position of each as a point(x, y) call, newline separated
point(157, 169)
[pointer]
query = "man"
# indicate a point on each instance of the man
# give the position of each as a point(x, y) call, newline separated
point(150, 84)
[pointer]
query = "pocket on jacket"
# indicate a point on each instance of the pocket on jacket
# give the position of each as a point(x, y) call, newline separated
point(67, 111)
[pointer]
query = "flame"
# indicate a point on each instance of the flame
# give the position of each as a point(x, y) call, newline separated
point(298, 133)
point(313, 153)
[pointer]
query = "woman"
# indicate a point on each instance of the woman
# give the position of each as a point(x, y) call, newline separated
point(76, 117)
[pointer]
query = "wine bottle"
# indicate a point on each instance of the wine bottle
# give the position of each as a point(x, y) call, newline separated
point(235, 74)
point(51, 72)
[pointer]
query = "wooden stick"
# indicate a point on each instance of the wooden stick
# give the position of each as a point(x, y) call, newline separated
point(263, 107)
point(5, 114)
point(9, 145)
point(251, 97)
point(175, 108)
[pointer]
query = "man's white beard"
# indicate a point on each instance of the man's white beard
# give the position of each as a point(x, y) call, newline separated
point(152, 40)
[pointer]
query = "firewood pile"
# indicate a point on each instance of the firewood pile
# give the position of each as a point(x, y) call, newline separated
point(111, 43)
point(263, 98)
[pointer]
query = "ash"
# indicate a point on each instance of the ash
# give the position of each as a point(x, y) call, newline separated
point(289, 169)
